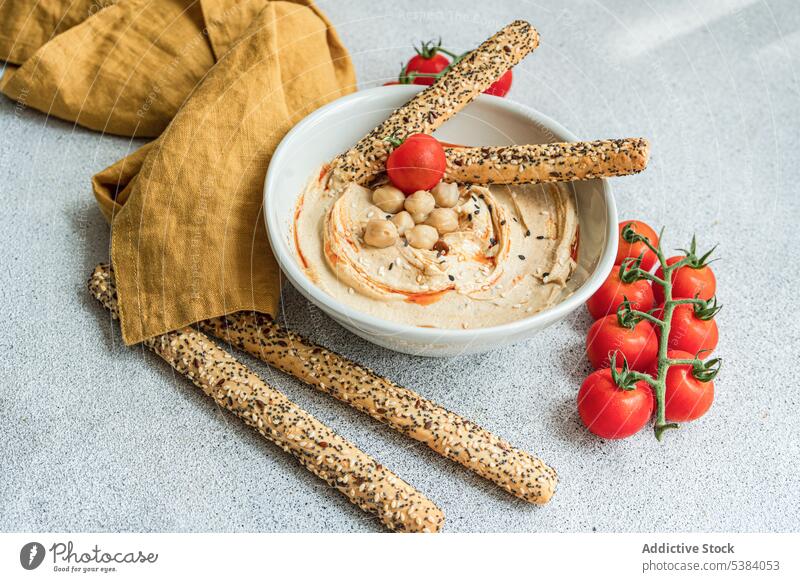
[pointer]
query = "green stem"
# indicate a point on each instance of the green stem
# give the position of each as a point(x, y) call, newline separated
point(694, 301)
point(679, 362)
point(647, 317)
point(656, 250)
point(660, 384)
point(650, 277)
point(450, 54)
point(660, 429)
point(640, 376)
point(676, 265)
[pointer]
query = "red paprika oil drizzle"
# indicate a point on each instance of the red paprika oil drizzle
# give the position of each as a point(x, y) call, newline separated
point(297, 211)
point(426, 299)
point(574, 251)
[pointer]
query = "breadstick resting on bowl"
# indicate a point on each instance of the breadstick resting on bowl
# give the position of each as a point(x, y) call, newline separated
point(435, 249)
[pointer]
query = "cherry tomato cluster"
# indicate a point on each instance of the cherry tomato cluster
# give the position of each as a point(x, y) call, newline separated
point(432, 61)
point(651, 339)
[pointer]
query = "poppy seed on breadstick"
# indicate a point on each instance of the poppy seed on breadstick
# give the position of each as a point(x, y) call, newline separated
point(406, 411)
point(332, 458)
point(429, 109)
point(547, 162)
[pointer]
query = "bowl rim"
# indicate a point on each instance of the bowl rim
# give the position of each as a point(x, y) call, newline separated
point(328, 303)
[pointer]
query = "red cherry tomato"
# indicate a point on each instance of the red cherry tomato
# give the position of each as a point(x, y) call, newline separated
point(689, 332)
point(502, 85)
point(612, 292)
point(687, 282)
point(686, 398)
point(639, 345)
point(427, 63)
point(417, 164)
point(611, 412)
point(626, 249)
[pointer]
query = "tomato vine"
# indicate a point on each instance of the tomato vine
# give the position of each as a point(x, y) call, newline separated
point(631, 270)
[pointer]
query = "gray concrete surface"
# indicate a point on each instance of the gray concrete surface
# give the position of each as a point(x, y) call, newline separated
point(96, 436)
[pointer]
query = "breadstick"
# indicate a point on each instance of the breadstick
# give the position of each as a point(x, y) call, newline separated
point(547, 162)
point(404, 410)
point(233, 386)
point(432, 107)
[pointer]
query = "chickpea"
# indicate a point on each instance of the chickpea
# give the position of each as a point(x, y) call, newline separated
point(403, 221)
point(443, 219)
point(419, 205)
point(370, 211)
point(380, 233)
point(422, 236)
point(388, 198)
point(445, 194)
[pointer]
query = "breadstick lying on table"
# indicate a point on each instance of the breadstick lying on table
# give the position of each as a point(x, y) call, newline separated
point(335, 460)
point(429, 109)
point(547, 162)
point(404, 410)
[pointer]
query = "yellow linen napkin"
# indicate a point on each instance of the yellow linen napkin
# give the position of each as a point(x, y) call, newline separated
point(188, 240)
point(25, 25)
point(188, 236)
point(124, 70)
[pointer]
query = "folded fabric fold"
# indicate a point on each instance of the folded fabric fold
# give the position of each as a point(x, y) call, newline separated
point(25, 25)
point(223, 80)
point(188, 237)
point(124, 70)
point(128, 68)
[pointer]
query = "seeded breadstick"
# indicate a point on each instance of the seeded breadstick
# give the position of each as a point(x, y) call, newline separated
point(366, 483)
point(547, 162)
point(404, 410)
point(432, 107)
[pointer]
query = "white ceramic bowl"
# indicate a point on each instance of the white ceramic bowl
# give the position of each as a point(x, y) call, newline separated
point(487, 121)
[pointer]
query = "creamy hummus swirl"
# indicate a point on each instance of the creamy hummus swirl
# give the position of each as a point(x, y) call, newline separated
point(510, 256)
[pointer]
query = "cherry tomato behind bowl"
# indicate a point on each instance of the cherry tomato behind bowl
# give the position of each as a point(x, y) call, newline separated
point(626, 249)
point(613, 292)
point(611, 412)
point(502, 86)
point(687, 282)
point(686, 397)
point(639, 345)
point(417, 164)
point(427, 65)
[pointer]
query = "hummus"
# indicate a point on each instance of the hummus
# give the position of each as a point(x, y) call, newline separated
point(510, 257)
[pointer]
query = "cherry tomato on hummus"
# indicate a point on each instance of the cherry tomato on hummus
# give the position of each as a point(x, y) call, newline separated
point(417, 164)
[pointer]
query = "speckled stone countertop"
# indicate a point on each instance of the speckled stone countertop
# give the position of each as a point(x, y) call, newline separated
point(99, 437)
